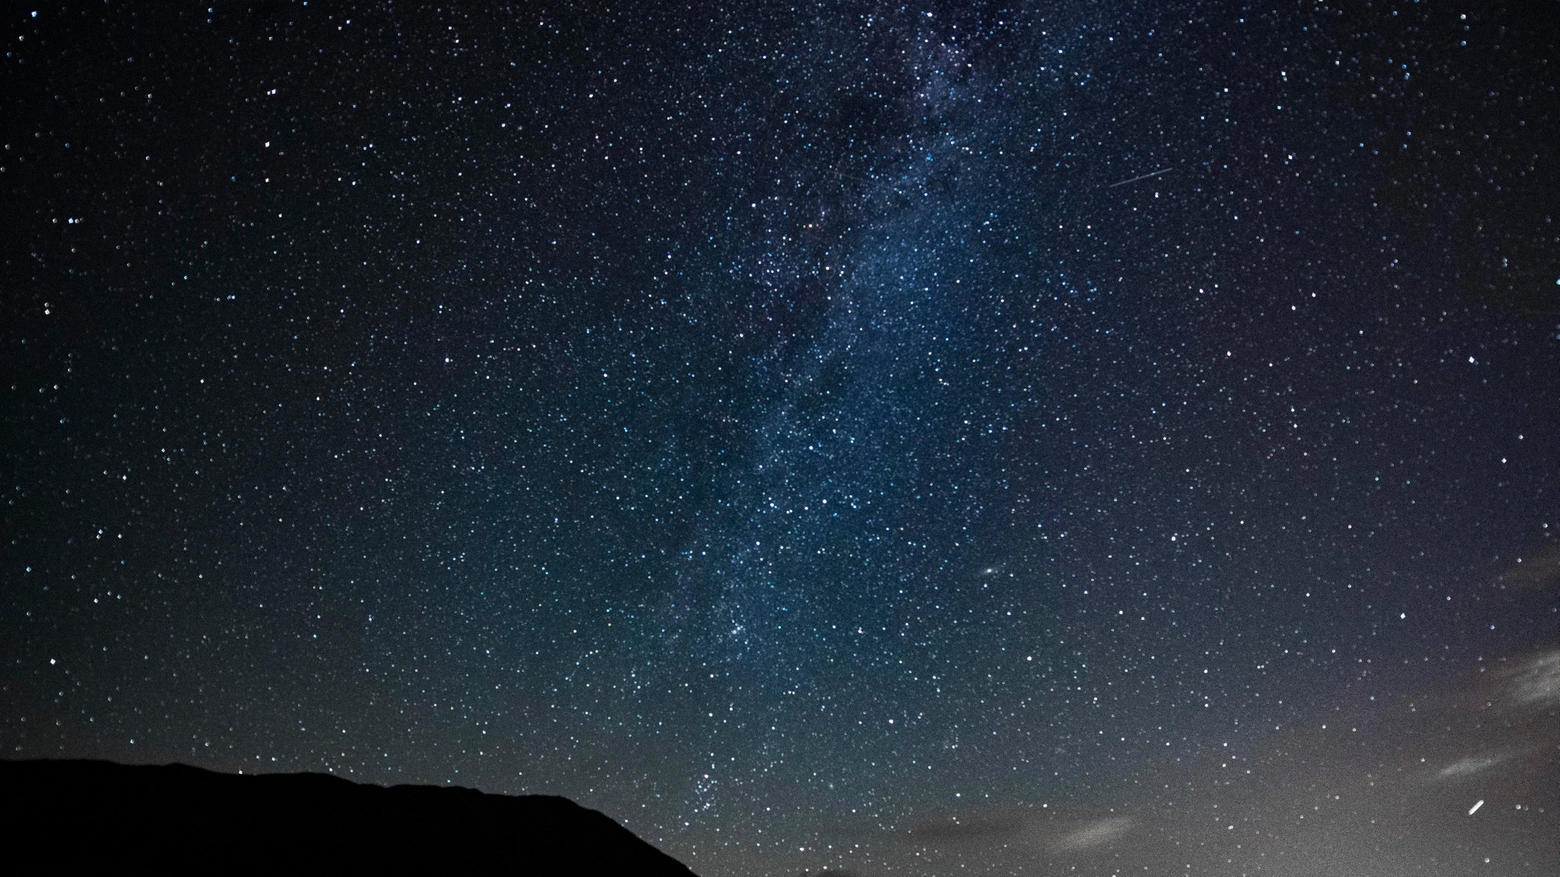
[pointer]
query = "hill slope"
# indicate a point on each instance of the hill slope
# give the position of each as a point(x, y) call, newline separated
point(179, 817)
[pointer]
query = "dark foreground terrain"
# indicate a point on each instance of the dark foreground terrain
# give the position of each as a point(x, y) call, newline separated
point(183, 818)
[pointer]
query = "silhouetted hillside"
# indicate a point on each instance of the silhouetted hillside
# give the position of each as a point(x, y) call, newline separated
point(184, 818)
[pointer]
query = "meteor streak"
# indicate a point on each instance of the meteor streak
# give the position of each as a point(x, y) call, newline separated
point(1142, 177)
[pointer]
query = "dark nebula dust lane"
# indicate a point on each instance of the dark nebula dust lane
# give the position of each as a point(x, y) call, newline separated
point(931, 439)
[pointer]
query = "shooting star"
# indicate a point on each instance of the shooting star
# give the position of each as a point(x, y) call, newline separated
point(1141, 178)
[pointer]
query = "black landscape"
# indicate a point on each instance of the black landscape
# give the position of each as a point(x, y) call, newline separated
point(180, 817)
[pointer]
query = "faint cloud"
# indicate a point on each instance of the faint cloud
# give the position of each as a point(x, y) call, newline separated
point(1538, 568)
point(1536, 682)
point(1059, 831)
point(1471, 765)
point(1093, 834)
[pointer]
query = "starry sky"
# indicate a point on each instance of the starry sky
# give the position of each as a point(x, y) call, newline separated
point(1074, 437)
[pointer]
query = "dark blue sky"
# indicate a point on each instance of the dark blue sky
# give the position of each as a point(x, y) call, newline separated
point(900, 439)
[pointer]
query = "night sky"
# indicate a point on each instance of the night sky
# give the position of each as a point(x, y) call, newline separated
point(1099, 438)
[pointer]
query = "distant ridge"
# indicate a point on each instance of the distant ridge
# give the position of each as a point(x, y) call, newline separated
point(183, 819)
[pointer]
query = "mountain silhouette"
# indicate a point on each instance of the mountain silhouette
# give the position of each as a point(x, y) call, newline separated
point(182, 819)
